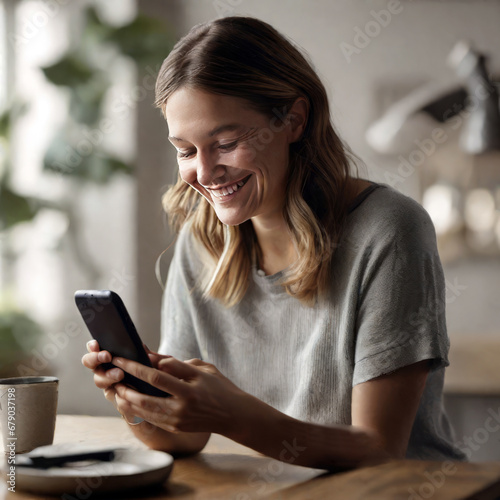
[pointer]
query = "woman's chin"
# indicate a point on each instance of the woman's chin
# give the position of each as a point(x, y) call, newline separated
point(230, 220)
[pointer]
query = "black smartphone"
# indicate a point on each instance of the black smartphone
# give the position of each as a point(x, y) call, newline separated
point(110, 324)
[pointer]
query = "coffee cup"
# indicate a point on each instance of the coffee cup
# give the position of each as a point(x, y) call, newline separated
point(28, 408)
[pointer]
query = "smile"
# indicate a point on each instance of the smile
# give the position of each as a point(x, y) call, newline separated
point(229, 190)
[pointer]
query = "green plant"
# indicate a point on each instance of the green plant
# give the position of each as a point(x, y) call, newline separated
point(84, 74)
point(19, 334)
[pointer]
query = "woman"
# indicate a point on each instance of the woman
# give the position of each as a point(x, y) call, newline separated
point(304, 308)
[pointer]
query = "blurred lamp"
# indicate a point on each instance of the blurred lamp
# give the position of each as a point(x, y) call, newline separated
point(415, 115)
point(481, 132)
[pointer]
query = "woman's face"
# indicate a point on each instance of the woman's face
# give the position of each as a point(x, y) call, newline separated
point(236, 157)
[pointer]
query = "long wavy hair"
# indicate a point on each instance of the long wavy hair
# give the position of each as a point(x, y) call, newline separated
point(247, 58)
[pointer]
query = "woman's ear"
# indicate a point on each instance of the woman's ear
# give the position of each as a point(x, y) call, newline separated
point(297, 119)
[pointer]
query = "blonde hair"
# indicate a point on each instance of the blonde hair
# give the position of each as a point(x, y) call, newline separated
point(247, 58)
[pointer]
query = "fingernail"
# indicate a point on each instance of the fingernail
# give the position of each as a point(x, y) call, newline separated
point(115, 373)
point(101, 356)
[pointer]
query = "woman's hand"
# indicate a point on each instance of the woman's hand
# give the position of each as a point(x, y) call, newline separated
point(203, 400)
point(106, 379)
point(103, 379)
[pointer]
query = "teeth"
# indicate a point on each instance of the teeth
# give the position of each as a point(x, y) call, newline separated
point(220, 193)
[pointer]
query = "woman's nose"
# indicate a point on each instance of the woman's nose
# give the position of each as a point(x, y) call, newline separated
point(208, 169)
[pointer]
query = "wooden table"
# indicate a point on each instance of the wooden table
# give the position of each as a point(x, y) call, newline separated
point(226, 470)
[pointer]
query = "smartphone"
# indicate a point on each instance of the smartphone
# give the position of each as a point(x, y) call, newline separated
point(110, 324)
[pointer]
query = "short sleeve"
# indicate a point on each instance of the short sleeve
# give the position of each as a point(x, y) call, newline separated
point(178, 337)
point(401, 301)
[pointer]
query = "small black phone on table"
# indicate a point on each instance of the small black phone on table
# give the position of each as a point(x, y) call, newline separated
point(109, 323)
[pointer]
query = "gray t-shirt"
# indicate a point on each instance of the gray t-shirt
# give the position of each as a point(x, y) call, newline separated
point(385, 310)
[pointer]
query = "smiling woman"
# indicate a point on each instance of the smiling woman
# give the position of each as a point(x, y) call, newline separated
point(262, 113)
point(307, 303)
point(217, 157)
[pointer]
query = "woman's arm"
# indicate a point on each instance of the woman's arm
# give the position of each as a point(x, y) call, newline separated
point(383, 412)
point(387, 405)
point(284, 438)
point(204, 400)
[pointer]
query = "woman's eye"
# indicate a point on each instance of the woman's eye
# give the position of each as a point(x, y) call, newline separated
point(181, 154)
point(228, 147)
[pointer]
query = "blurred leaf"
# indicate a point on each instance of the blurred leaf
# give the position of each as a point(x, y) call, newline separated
point(14, 208)
point(70, 71)
point(86, 100)
point(118, 166)
point(5, 124)
point(7, 118)
point(19, 334)
point(95, 30)
point(94, 166)
point(100, 168)
point(146, 40)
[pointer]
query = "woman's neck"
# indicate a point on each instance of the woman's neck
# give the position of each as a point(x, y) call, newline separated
point(277, 250)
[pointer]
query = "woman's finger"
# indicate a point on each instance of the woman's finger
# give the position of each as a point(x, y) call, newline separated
point(92, 346)
point(110, 394)
point(163, 417)
point(150, 403)
point(156, 358)
point(179, 369)
point(194, 361)
point(156, 378)
point(106, 378)
point(203, 365)
point(93, 359)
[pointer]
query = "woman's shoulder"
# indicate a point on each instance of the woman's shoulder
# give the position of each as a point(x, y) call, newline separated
point(381, 212)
